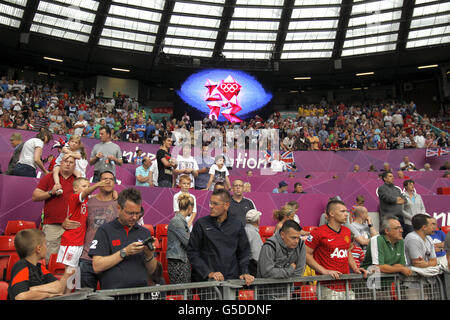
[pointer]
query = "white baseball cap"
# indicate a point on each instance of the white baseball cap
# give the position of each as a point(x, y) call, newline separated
point(252, 215)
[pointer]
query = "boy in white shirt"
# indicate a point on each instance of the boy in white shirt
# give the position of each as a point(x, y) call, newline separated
point(185, 183)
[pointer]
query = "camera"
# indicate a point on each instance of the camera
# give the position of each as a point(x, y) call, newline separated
point(149, 243)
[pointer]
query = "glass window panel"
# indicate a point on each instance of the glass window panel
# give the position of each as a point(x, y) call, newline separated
point(431, 9)
point(59, 33)
point(125, 45)
point(11, 11)
point(316, 2)
point(373, 29)
point(188, 32)
point(194, 21)
point(313, 24)
point(366, 50)
point(261, 36)
point(254, 25)
point(428, 42)
point(9, 22)
point(188, 43)
point(248, 46)
point(315, 12)
point(70, 13)
point(308, 46)
point(187, 52)
point(207, 10)
point(130, 36)
point(87, 4)
point(262, 13)
point(317, 35)
point(279, 3)
point(131, 25)
point(153, 4)
point(370, 40)
point(306, 55)
point(22, 3)
point(423, 22)
point(135, 13)
point(375, 18)
point(376, 6)
point(247, 55)
point(62, 23)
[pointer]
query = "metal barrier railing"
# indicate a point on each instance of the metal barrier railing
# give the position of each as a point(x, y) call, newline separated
point(376, 286)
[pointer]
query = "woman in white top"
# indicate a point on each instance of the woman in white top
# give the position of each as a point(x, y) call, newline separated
point(30, 157)
point(413, 205)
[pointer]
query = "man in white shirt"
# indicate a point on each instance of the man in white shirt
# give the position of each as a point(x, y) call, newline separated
point(419, 139)
point(80, 125)
point(406, 165)
point(186, 165)
point(276, 165)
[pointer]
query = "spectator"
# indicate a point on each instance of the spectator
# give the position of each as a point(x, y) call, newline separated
point(438, 237)
point(17, 144)
point(72, 240)
point(249, 173)
point(360, 200)
point(247, 187)
point(362, 228)
point(282, 187)
point(391, 198)
point(144, 176)
point(253, 219)
point(356, 168)
point(80, 125)
point(443, 140)
point(447, 247)
point(284, 254)
point(386, 167)
point(413, 205)
point(357, 252)
point(178, 233)
point(125, 262)
point(55, 203)
point(187, 165)
point(406, 165)
point(204, 163)
point(222, 252)
point(426, 167)
point(276, 165)
point(138, 158)
point(287, 212)
point(133, 136)
point(332, 257)
point(30, 280)
point(165, 164)
point(102, 208)
point(30, 156)
point(419, 247)
point(387, 251)
point(298, 188)
point(446, 166)
point(239, 205)
point(218, 173)
point(105, 155)
point(185, 183)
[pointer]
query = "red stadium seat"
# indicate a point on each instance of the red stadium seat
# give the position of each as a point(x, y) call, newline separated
point(13, 258)
point(6, 249)
point(308, 292)
point(446, 229)
point(246, 295)
point(174, 297)
point(3, 290)
point(150, 228)
point(309, 228)
point(164, 244)
point(56, 268)
point(15, 226)
point(161, 230)
point(266, 231)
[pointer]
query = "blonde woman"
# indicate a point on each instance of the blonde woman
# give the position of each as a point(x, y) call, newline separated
point(178, 234)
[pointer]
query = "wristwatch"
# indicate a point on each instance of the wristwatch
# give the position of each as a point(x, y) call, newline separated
point(50, 193)
point(123, 253)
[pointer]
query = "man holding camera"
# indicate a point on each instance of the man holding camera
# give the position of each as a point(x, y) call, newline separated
point(132, 261)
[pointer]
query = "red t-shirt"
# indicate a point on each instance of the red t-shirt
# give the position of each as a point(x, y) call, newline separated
point(331, 250)
point(78, 211)
point(55, 208)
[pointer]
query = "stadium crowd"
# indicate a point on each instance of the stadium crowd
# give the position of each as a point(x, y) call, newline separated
point(224, 244)
point(364, 126)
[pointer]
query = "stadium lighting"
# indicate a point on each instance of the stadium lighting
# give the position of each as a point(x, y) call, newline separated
point(121, 70)
point(355, 89)
point(302, 78)
point(53, 59)
point(428, 66)
point(365, 74)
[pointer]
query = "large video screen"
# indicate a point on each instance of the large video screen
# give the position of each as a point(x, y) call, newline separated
point(224, 95)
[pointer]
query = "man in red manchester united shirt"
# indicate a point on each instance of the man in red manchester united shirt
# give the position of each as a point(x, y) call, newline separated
point(328, 250)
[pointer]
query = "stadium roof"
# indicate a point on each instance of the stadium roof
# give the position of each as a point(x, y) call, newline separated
point(277, 35)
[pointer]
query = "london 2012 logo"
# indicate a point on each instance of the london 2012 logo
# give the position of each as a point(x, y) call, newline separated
point(222, 98)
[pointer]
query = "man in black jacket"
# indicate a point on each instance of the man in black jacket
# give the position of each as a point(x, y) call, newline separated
point(17, 144)
point(218, 247)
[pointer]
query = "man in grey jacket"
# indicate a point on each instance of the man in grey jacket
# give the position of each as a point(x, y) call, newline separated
point(284, 254)
point(17, 144)
point(391, 198)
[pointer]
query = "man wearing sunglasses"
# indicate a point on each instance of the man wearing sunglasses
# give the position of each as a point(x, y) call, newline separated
point(131, 263)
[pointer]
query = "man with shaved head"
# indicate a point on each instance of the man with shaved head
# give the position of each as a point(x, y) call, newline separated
point(362, 228)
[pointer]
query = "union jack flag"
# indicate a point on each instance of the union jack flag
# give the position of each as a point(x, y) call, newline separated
point(437, 152)
point(288, 158)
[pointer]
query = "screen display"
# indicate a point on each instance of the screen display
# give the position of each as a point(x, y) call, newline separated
point(224, 95)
